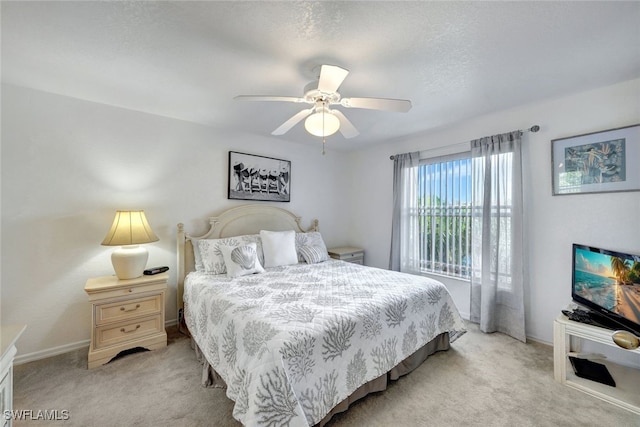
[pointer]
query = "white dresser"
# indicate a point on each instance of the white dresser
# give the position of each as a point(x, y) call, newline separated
point(8, 337)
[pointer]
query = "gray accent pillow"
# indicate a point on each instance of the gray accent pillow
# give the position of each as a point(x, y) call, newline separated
point(312, 238)
point(314, 254)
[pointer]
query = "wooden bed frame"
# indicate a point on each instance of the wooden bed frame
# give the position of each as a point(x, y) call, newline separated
point(238, 221)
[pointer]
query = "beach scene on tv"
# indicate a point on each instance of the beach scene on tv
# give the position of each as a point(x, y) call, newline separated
point(609, 281)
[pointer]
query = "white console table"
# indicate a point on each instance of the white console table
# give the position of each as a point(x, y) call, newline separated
point(8, 337)
point(566, 335)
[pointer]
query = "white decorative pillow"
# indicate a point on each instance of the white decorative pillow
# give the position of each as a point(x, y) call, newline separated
point(312, 238)
point(279, 248)
point(241, 260)
point(211, 256)
point(314, 254)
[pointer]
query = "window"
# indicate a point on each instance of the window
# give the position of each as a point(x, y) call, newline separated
point(443, 214)
point(462, 216)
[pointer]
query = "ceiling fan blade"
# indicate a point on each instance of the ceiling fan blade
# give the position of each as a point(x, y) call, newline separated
point(331, 77)
point(347, 129)
point(268, 98)
point(284, 128)
point(397, 105)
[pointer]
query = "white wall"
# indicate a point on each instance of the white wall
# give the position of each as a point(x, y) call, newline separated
point(68, 164)
point(553, 223)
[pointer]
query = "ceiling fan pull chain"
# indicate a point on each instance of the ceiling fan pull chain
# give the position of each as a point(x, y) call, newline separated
point(323, 141)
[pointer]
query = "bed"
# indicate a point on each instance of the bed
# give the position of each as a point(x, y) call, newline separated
point(295, 343)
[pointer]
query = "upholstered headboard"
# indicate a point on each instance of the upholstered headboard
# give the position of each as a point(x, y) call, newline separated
point(238, 221)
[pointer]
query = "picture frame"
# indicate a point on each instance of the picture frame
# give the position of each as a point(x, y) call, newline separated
point(258, 178)
point(597, 162)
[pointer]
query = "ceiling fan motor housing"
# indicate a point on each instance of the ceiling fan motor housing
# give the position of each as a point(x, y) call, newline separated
point(312, 94)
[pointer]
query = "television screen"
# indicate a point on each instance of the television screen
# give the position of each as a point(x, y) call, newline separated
point(609, 283)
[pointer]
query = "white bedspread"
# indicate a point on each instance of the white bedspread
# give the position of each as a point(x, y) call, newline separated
point(293, 342)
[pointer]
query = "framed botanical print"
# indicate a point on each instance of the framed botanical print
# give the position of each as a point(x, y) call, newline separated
point(597, 162)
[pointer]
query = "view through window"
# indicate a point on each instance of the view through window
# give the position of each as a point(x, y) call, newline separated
point(444, 215)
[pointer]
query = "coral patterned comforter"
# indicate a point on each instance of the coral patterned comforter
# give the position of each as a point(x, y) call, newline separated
point(293, 342)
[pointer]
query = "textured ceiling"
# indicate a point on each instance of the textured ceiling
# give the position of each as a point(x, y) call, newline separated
point(187, 60)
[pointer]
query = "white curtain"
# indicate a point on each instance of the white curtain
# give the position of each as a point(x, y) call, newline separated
point(404, 227)
point(497, 279)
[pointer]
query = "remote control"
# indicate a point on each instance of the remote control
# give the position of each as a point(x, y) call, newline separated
point(578, 315)
point(155, 270)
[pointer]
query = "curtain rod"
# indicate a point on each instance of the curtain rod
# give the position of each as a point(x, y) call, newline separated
point(534, 129)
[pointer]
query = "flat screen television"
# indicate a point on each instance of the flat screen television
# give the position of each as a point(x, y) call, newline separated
point(608, 282)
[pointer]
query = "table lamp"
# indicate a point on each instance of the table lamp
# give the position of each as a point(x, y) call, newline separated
point(129, 230)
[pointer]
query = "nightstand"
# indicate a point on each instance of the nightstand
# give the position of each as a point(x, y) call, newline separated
point(348, 253)
point(125, 314)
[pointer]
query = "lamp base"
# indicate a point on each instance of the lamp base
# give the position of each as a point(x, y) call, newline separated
point(129, 261)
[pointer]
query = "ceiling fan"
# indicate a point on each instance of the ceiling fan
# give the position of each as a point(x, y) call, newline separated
point(321, 120)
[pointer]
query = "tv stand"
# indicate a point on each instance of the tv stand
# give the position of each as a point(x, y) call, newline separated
point(566, 333)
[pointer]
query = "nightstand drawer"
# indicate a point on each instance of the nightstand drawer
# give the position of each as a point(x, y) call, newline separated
point(348, 253)
point(103, 288)
point(355, 259)
point(128, 309)
point(128, 291)
point(122, 332)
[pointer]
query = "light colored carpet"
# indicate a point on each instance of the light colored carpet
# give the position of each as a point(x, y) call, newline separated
point(484, 380)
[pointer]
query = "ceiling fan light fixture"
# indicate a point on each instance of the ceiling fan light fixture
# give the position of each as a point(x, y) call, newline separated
point(322, 123)
point(323, 93)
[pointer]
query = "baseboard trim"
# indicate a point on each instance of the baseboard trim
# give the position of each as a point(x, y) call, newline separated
point(66, 348)
point(50, 352)
point(539, 341)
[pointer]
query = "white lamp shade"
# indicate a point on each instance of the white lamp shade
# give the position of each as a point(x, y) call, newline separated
point(129, 229)
point(322, 123)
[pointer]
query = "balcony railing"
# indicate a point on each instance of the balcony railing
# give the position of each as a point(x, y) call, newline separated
point(444, 239)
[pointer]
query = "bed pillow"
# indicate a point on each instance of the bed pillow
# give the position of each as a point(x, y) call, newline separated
point(211, 256)
point(241, 260)
point(312, 238)
point(197, 258)
point(279, 248)
point(314, 254)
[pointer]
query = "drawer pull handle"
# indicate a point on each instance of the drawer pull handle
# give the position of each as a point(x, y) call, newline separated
point(131, 309)
point(131, 330)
